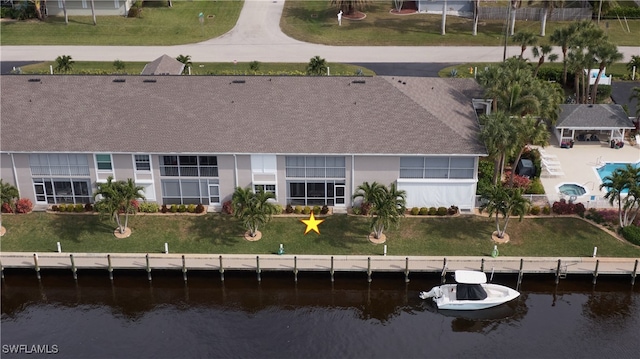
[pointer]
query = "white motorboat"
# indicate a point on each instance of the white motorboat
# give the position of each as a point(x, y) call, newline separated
point(471, 292)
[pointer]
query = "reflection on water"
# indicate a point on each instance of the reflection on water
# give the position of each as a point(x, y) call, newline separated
point(131, 317)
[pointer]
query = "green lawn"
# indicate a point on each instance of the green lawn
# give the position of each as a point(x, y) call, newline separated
point(157, 26)
point(208, 68)
point(316, 22)
point(340, 235)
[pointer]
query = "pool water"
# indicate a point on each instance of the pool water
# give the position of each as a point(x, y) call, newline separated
point(608, 168)
point(572, 189)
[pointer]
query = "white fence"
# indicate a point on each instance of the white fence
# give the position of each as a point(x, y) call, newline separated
point(535, 14)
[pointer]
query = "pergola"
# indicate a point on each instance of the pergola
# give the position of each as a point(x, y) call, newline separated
point(592, 123)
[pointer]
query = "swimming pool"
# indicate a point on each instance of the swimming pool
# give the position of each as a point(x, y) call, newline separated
point(608, 168)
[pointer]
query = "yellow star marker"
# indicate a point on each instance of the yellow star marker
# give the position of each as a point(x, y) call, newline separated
point(312, 224)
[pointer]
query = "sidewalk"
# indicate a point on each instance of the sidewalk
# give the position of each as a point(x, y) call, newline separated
point(257, 36)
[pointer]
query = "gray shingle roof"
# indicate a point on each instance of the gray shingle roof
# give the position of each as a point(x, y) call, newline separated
point(163, 65)
point(226, 114)
point(593, 117)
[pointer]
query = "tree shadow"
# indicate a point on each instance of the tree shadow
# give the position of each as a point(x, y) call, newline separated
point(74, 226)
point(218, 229)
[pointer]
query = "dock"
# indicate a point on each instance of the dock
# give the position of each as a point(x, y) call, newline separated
point(559, 267)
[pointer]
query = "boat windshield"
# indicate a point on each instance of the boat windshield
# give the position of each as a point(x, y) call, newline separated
point(470, 292)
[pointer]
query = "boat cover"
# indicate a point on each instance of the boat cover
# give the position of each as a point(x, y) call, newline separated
point(470, 277)
point(470, 292)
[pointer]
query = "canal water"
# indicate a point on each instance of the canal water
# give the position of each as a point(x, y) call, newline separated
point(313, 318)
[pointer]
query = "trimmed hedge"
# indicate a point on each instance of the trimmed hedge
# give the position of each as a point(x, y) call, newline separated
point(631, 233)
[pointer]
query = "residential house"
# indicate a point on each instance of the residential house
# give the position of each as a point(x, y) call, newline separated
point(83, 7)
point(194, 139)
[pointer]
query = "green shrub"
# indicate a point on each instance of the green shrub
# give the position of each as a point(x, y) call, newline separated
point(79, 208)
point(631, 233)
point(356, 210)
point(535, 210)
point(62, 207)
point(306, 210)
point(191, 208)
point(535, 187)
point(297, 209)
point(604, 93)
point(423, 211)
point(442, 211)
point(415, 211)
point(182, 208)
point(278, 208)
point(546, 210)
point(432, 211)
point(147, 207)
point(173, 208)
point(316, 210)
point(550, 74)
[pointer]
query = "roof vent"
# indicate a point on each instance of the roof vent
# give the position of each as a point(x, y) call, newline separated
point(34, 80)
point(149, 80)
point(119, 80)
point(237, 81)
point(358, 82)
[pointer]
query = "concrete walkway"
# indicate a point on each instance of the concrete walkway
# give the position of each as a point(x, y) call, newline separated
point(257, 36)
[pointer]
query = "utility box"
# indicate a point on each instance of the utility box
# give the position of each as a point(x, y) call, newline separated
point(526, 168)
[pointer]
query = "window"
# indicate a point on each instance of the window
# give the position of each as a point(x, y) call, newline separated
point(265, 188)
point(62, 190)
point(314, 192)
point(190, 191)
point(189, 166)
point(143, 163)
point(104, 162)
point(315, 166)
point(437, 167)
point(59, 165)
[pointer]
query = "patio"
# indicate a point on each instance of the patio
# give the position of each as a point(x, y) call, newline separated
point(578, 165)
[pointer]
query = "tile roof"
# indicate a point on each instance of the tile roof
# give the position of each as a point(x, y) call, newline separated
point(163, 65)
point(593, 117)
point(243, 114)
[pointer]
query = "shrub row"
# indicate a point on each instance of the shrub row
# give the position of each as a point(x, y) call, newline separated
point(182, 208)
point(307, 209)
point(564, 207)
point(433, 211)
point(78, 208)
point(23, 205)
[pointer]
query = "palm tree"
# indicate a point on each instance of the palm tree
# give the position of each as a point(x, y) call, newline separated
point(64, 9)
point(186, 60)
point(117, 198)
point(444, 18)
point(621, 180)
point(349, 6)
point(64, 63)
point(529, 131)
point(93, 13)
point(606, 53)
point(547, 9)
point(524, 39)
point(542, 53)
point(476, 7)
point(506, 202)
point(388, 208)
point(514, 6)
point(253, 209)
point(317, 66)
point(562, 37)
point(634, 65)
point(497, 133)
point(369, 194)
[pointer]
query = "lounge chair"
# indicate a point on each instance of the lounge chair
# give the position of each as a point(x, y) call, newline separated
point(553, 172)
point(637, 140)
point(547, 156)
point(549, 163)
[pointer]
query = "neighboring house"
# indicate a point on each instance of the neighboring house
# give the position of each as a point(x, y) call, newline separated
point(591, 123)
point(194, 139)
point(83, 7)
point(163, 65)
